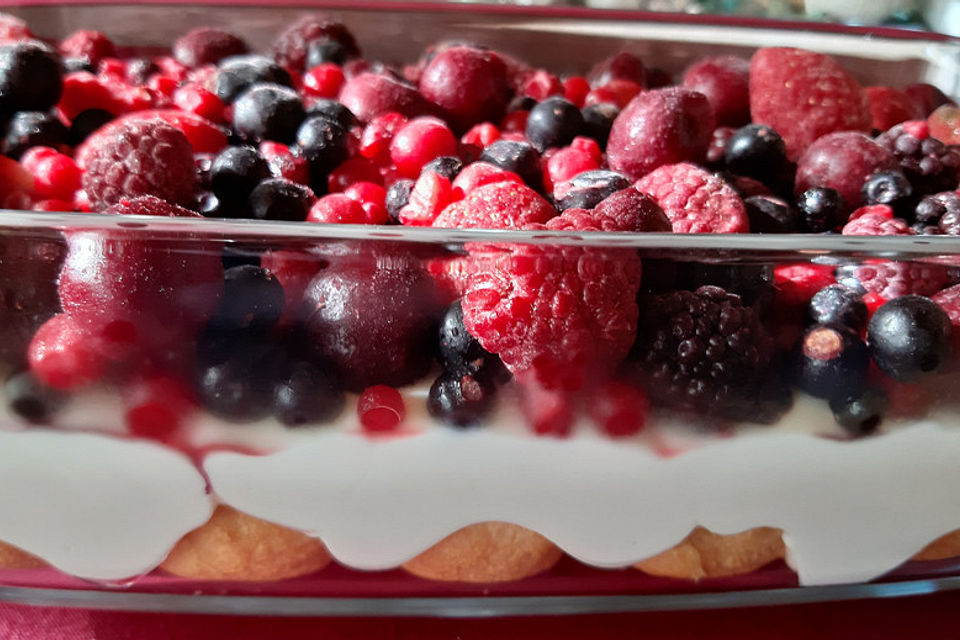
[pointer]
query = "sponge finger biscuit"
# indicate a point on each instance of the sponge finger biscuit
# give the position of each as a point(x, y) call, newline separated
point(704, 554)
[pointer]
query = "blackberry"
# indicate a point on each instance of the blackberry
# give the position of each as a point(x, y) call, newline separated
point(929, 165)
point(938, 214)
point(819, 209)
point(704, 351)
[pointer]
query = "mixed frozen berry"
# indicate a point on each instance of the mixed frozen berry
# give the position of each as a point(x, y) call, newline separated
point(787, 141)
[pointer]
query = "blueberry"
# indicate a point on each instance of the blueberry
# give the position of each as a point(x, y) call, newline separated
point(268, 112)
point(323, 143)
point(597, 121)
point(586, 190)
point(886, 187)
point(839, 306)
point(832, 362)
point(236, 373)
point(860, 413)
point(460, 399)
point(32, 129)
point(86, 122)
point(306, 394)
point(235, 172)
point(280, 199)
point(71, 65)
point(770, 215)
point(756, 150)
point(325, 50)
point(31, 77)
point(909, 336)
point(31, 400)
point(333, 111)
point(252, 299)
point(398, 195)
point(446, 166)
point(819, 209)
point(518, 157)
point(237, 73)
point(553, 123)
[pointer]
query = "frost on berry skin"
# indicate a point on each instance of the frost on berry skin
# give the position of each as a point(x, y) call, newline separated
point(659, 127)
point(626, 210)
point(695, 200)
point(501, 205)
point(557, 314)
point(207, 45)
point(928, 163)
point(891, 280)
point(138, 158)
point(876, 220)
point(469, 84)
point(725, 81)
point(290, 47)
point(128, 289)
point(804, 95)
point(369, 95)
point(842, 161)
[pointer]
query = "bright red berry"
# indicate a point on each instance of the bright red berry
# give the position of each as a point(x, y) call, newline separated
point(478, 174)
point(356, 169)
point(194, 98)
point(575, 89)
point(92, 45)
point(372, 197)
point(549, 412)
point(323, 81)
point(583, 154)
point(54, 175)
point(376, 136)
point(157, 406)
point(420, 141)
point(337, 208)
point(61, 356)
point(481, 135)
point(431, 194)
point(541, 84)
point(619, 409)
point(380, 409)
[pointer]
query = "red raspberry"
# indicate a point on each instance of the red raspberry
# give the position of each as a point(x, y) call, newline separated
point(380, 409)
point(725, 80)
point(290, 47)
point(283, 164)
point(430, 195)
point(206, 45)
point(136, 158)
point(619, 409)
point(949, 301)
point(162, 89)
point(369, 95)
point(337, 208)
point(558, 314)
point(796, 284)
point(889, 107)
point(659, 127)
point(891, 279)
point(804, 95)
point(575, 89)
point(170, 68)
point(876, 220)
point(627, 210)
point(469, 84)
point(501, 205)
point(194, 98)
point(372, 197)
point(420, 141)
point(54, 174)
point(843, 161)
point(62, 357)
point(696, 201)
point(583, 154)
point(92, 45)
point(618, 92)
point(481, 135)
point(323, 81)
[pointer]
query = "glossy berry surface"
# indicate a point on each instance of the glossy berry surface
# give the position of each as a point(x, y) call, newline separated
point(323, 144)
point(235, 172)
point(237, 73)
point(553, 123)
point(30, 129)
point(268, 112)
point(381, 409)
point(860, 413)
point(446, 166)
point(887, 187)
point(756, 151)
point(253, 298)
point(909, 336)
point(460, 399)
point(280, 199)
point(768, 214)
point(62, 357)
point(840, 306)
point(517, 157)
point(586, 190)
point(334, 111)
point(469, 84)
point(820, 209)
point(598, 120)
point(306, 394)
point(420, 141)
point(832, 361)
point(31, 78)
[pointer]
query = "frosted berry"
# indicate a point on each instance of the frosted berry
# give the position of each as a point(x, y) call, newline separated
point(446, 166)
point(268, 112)
point(236, 374)
point(337, 208)
point(323, 81)
point(88, 45)
point(420, 141)
point(323, 144)
point(30, 129)
point(469, 84)
point(938, 214)
point(235, 172)
point(586, 190)
point(333, 111)
point(517, 157)
point(290, 47)
point(280, 199)
point(887, 187)
point(207, 45)
point(839, 306)
point(724, 80)
point(909, 336)
point(398, 195)
point(598, 120)
point(62, 357)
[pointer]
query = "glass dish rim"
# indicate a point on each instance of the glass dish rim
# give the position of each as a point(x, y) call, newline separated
point(226, 230)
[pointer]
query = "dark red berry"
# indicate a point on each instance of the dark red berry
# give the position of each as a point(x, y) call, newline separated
point(206, 45)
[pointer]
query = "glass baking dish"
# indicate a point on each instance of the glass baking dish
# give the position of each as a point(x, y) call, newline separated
point(166, 480)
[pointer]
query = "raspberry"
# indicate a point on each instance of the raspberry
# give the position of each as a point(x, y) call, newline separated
point(206, 45)
point(796, 284)
point(290, 47)
point(875, 220)
point(626, 210)
point(501, 205)
point(660, 127)
point(929, 164)
point(938, 214)
point(842, 161)
point(891, 279)
point(889, 107)
point(724, 80)
point(469, 84)
point(139, 157)
point(61, 356)
point(704, 351)
point(557, 314)
point(91, 45)
point(804, 95)
point(949, 301)
point(695, 200)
